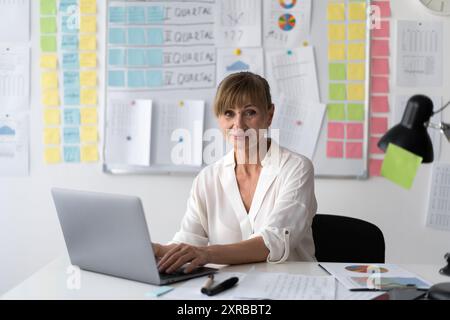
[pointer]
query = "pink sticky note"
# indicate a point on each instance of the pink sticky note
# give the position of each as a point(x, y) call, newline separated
point(378, 125)
point(380, 84)
point(379, 104)
point(355, 131)
point(379, 48)
point(335, 149)
point(382, 30)
point(384, 8)
point(380, 67)
point(373, 148)
point(375, 167)
point(335, 130)
point(354, 150)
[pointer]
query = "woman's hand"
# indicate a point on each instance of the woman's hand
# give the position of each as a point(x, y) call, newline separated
point(157, 250)
point(181, 254)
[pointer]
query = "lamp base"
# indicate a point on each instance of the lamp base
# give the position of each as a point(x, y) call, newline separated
point(440, 291)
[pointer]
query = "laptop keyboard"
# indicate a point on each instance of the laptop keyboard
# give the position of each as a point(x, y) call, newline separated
point(180, 272)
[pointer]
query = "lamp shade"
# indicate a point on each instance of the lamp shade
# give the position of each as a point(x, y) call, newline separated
point(411, 133)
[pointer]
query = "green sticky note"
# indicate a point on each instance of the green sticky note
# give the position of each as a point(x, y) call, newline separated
point(336, 112)
point(337, 71)
point(355, 112)
point(338, 91)
point(48, 7)
point(400, 166)
point(48, 25)
point(48, 43)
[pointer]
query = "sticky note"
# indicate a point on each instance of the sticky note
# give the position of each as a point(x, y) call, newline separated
point(336, 112)
point(48, 43)
point(66, 6)
point(335, 149)
point(379, 84)
point(355, 112)
point(116, 78)
point(89, 134)
point(373, 145)
point(336, 12)
point(136, 36)
point(356, 51)
point(136, 57)
point(337, 91)
point(88, 24)
point(49, 61)
point(136, 79)
point(88, 42)
point(337, 71)
point(384, 8)
point(88, 97)
point(379, 48)
point(71, 154)
point(48, 7)
point(70, 24)
point(89, 116)
point(375, 167)
point(336, 130)
point(355, 131)
point(71, 135)
point(88, 60)
point(50, 98)
point(88, 78)
point(70, 60)
point(154, 78)
point(88, 6)
point(71, 79)
point(52, 117)
point(72, 96)
point(356, 71)
point(159, 291)
point(52, 155)
point(381, 29)
point(49, 80)
point(48, 25)
point(69, 42)
point(357, 11)
point(136, 15)
point(155, 14)
point(379, 104)
point(379, 66)
point(356, 31)
point(336, 51)
point(89, 153)
point(400, 166)
point(117, 36)
point(116, 57)
point(354, 150)
point(336, 32)
point(155, 57)
point(155, 36)
point(72, 116)
point(52, 136)
point(356, 92)
point(378, 125)
point(117, 14)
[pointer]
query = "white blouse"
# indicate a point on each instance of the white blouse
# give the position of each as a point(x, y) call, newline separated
point(281, 211)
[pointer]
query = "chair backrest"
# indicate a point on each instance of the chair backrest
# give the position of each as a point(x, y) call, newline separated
point(345, 239)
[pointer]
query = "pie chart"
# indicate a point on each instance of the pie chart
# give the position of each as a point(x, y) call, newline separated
point(366, 269)
point(287, 4)
point(286, 22)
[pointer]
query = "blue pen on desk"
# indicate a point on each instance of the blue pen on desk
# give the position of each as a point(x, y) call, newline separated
point(227, 284)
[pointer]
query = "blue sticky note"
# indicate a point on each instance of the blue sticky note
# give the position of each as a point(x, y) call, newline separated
point(70, 60)
point(155, 14)
point(72, 117)
point(154, 78)
point(72, 154)
point(71, 96)
point(71, 79)
point(136, 36)
point(70, 23)
point(155, 57)
point(158, 291)
point(68, 6)
point(136, 15)
point(69, 42)
point(116, 78)
point(117, 36)
point(155, 36)
point(136, 57)
point(117, 15)
point(71, 135)
point(116, 57)
point(136, 79)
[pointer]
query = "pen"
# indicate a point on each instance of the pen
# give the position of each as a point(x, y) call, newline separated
point(227, 284)
point(208, 283)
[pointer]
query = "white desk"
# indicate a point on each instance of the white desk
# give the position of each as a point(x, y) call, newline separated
point(51, 281)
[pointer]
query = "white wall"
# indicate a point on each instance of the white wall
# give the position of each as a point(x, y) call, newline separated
point(30, 235)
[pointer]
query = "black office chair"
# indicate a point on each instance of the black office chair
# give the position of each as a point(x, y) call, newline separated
point(345, 239)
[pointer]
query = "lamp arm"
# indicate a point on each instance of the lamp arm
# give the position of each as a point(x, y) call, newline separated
point(442, 109)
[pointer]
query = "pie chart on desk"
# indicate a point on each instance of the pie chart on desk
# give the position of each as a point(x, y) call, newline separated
point(366, 269)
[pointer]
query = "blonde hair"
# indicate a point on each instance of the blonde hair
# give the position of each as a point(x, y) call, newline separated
point(242, 88)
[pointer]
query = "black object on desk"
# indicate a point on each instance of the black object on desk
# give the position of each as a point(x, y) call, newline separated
point(227, 284)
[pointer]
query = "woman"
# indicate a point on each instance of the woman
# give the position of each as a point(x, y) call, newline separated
point(256, 203)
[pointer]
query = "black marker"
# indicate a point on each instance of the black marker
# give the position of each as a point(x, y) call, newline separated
point(227, 284)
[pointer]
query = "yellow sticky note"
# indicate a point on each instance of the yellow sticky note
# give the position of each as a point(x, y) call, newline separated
point(49, 61)
point(52, 136)
point(52, 117)
point(52, 155)
point(356, 71)
point(336, 12)
point(88, 115)
point(88, 24)
point(50, 98)
point(357, 31)
point(88, 42)
point(89, 153)
point(89, 134)
point(356, 92)
point(88, 60)
point(88, 78)
point(356, 51)
point(336, 32)
point(336, 51)
point(49, 80)
point(357, 11)
point(88, 6)
point(88, 97)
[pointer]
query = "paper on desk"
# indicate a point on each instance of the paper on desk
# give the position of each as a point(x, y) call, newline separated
point(439, 198)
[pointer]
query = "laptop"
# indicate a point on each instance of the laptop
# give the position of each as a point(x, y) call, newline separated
point(108, 234)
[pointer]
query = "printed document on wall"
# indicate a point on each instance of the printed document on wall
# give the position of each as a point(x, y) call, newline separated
point(231, 61)
point(15, 20)
point(439, 198)
point(14, 144)
point(420, 54)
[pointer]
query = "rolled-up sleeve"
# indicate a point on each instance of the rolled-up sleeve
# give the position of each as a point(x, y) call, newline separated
point(291, 218)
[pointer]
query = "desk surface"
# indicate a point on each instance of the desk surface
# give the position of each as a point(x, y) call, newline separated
point(50, 282)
